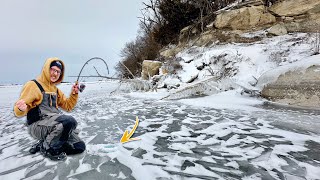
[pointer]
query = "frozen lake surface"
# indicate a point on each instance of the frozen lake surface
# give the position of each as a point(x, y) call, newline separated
point(178, 141)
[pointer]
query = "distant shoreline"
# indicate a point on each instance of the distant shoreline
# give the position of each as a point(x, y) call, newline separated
point(3, 85)
point(18, 84)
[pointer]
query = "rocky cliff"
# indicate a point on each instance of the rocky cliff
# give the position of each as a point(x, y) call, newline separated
point(298, 87)
point(280, 18)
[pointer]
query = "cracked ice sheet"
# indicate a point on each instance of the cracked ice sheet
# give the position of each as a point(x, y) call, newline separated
point(225, 138)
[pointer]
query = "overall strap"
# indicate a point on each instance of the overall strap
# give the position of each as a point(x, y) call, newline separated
point(34, 114)
point(39, 85)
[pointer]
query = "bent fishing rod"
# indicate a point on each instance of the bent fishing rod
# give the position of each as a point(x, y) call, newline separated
point(82, 86)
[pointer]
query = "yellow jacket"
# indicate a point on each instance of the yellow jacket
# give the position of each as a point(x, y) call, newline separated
point(32, 95)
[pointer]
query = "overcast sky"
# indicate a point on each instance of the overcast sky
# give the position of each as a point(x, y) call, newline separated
point(73, 30)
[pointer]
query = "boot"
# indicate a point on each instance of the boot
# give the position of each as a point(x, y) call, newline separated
point(36, 147)
point(54, 155)
point(75, 148)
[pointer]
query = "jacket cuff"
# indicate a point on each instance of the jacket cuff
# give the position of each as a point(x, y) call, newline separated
point(18, 112)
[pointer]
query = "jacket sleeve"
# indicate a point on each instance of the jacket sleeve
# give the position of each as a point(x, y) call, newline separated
point(31, 94)
point(67, 103)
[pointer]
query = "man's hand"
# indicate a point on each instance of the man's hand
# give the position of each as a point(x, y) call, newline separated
point(75, 89)
point(21, 105)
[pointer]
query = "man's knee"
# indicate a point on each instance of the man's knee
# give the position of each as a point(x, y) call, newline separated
point(80, 146)
point(68, 122)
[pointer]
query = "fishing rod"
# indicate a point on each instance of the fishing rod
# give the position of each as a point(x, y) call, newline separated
point(82, 86)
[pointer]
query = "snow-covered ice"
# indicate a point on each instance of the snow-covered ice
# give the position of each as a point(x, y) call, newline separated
point(201, 138)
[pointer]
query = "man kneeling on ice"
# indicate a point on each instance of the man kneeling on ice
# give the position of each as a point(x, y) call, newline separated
point(39, 100)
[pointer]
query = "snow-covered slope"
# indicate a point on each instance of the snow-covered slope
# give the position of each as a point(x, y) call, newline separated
point(240, 65)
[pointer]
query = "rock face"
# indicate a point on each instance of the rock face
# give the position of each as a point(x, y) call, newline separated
point(295, 7)
point(244, 18)
point(299, 88)
point(299, 15)
point(171, 52)
point(284, 16)
point(307, 24)
point(278, 30)
point(150, 68)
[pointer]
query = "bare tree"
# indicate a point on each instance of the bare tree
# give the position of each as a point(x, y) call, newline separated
point(150, 16)
point(205, 7)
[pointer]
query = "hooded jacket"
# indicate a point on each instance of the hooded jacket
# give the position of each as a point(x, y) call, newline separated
point(32, 95)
